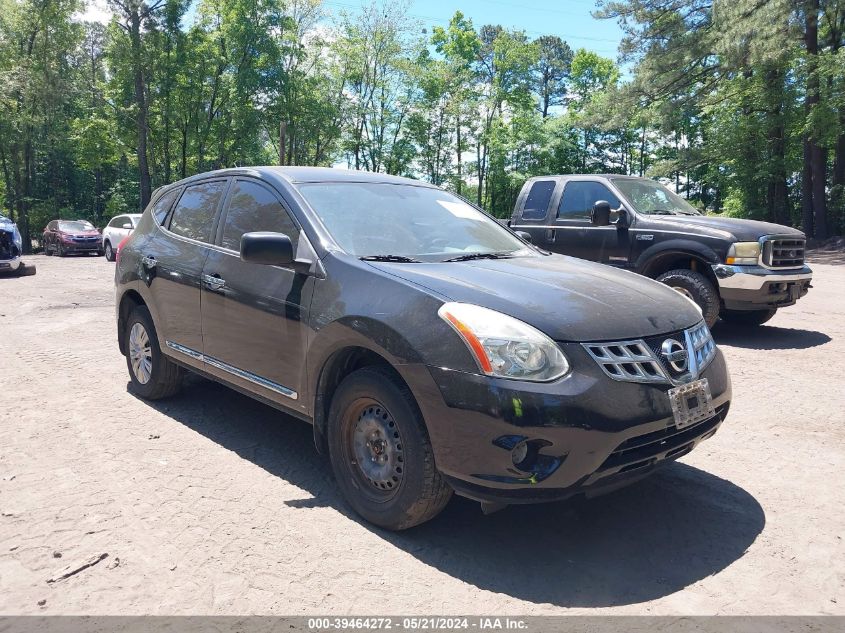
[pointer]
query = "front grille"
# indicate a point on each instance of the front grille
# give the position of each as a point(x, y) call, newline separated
point(644, 450)
point(627, 360)
point(643, 360)
point(85, 239)
point(783, 252)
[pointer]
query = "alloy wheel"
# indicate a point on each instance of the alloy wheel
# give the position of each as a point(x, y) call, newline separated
point(140, 353)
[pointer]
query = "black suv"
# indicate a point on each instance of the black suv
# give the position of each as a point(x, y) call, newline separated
point(431, 348)
point(741, 270)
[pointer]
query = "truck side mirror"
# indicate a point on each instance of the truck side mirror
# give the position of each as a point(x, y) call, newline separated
point(600, 215)
point(524, 235)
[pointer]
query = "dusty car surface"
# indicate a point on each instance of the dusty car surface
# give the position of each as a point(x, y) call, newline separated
point(742, 271)
point(65, 237)
point(11, 249)
point(431, 348)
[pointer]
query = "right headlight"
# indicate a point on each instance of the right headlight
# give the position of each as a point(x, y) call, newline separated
point(504, 346)
point(743, 253)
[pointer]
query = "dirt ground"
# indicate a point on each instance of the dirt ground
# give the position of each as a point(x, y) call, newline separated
point(212, 503)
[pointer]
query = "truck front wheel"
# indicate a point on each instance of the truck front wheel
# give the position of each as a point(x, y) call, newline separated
point(748, 317)
point(696, 287)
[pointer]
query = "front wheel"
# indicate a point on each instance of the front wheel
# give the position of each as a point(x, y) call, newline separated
point(152, 375)
point(697, 287)
point(748, 317)
point(380, 452)
point(109, 252)
point(60, 250)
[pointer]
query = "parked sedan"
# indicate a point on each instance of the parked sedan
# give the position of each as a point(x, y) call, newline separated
point(433, 350)
point(120, 227)
point(63, 237)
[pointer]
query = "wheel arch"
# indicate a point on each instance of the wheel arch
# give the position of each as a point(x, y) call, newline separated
point(678, 254)
point(130, 300)
point(332, 364)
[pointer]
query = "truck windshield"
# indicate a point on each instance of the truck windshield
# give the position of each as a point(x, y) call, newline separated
point(652, 198)
point(406, 223)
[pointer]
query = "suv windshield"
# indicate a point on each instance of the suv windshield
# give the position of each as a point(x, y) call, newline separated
point(75, 226)
point(652, 198)
point(407, 223)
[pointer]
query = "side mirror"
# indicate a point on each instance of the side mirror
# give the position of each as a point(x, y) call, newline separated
point(273, 249)
point(600, 215)
point(524, 235)
point(127, 226)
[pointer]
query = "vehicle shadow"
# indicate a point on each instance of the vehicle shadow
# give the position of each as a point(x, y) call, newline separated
point(767, 337)
point(647, 541)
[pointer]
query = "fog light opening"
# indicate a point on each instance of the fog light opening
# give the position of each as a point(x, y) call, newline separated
point(519, 454)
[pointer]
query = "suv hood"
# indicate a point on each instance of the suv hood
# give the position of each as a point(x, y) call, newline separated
point(741, 230)
point(566, 298)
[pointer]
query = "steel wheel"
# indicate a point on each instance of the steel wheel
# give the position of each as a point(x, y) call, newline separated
point(140, 353)
point(374, 448)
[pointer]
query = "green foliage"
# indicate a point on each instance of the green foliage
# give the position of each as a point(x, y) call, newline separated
point(717, 98)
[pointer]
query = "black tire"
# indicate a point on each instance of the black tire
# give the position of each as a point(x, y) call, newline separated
point(60, 251)
point(420, 492)
point(26, 270)
point(47, 250)
point(747, 317)
point(697, 287)
point(165, 376)
point(108, 251)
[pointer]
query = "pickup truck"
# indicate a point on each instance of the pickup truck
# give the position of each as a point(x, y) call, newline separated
point(740, 270)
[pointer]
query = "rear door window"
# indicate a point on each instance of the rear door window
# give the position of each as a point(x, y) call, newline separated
point(578, 199)
point(253, 207)
point(194, 213)
point(538, 200)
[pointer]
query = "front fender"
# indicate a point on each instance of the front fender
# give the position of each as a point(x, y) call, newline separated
point(671, 248)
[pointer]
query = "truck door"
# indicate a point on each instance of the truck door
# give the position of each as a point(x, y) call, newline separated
point(533, 212)
point(576, 236)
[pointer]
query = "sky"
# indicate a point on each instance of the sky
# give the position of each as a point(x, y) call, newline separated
point(568, 19)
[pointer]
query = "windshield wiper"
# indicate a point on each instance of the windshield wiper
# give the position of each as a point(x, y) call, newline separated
point(469, 256)
point(389, 258)
point(661, 212)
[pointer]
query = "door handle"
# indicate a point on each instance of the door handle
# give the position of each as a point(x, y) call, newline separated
point(148, 261)
point(214, 282)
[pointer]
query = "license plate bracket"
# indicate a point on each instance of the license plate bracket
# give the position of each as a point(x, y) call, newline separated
point(691, 403)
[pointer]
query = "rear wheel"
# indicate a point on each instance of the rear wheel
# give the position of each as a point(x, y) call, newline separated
point(152, 374)
point(109, 252)
point(380, 452)
point(697, 287)
point(748, 317)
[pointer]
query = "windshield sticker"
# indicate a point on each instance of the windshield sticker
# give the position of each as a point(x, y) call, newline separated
point(459, 209)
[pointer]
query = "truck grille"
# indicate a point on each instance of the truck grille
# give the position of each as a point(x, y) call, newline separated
point(643, 360)
point(783, 252)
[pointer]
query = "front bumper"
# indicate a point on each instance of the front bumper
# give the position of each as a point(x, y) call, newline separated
point(757, 287)
point(10, 265)
point(589, 434)
point(82, 247)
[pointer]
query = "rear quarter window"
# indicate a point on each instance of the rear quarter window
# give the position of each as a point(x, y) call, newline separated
point(162, 206)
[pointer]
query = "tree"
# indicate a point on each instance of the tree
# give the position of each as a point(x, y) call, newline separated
point(552, 71)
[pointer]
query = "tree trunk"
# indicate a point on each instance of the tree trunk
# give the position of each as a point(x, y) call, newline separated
point(813, 207)
point(460, 182)
point(141, 118)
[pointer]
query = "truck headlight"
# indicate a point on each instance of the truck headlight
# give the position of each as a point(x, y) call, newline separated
point(503, 346)
point(743, 253)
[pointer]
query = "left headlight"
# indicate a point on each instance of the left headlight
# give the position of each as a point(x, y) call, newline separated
point(743, 253)
point(504, 346)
